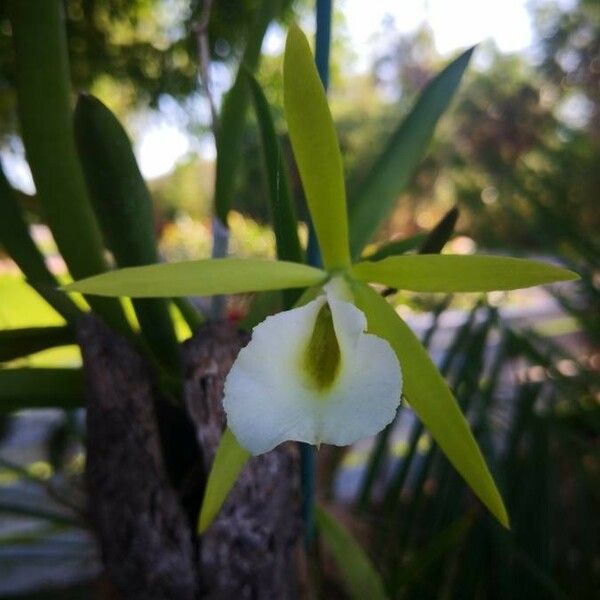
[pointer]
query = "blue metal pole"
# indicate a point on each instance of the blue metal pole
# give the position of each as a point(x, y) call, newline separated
point(322, 48)
point(308, 457)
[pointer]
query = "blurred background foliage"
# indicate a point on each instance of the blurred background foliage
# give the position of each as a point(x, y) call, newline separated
point(518, 153)
point(523, 131)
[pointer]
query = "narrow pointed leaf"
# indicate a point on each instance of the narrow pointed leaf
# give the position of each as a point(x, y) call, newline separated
point(315, 145)
point(230, 459)
point(15, 343)
point(362, 579)
point(200, 277)
point(456, 273)
point(123, 206)
point(396, 247)
point(40, 388)
point(439, 236)
point(45, 114)
point(430, 398)
point(232, 121)
point(18, 243)
point(283, 211)
point(392, 170)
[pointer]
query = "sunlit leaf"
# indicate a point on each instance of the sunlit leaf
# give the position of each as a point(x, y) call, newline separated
point(392, 171)
point(456, 273)
point(191, 315)
point(430, 398)
point(200, 277)
point(230, 459)
point(17, 241)
point(362, 579)
point(316, 149)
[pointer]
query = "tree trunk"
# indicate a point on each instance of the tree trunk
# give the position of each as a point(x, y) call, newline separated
point(144, 516)
point(249, 550)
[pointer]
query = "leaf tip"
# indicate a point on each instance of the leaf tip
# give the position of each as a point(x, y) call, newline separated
point(204, 520)
point(569, 275)
point(502, 516)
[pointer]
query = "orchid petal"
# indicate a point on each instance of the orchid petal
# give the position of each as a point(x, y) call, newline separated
point(316, 149)
point(270, 397)
point(431, 399)
point(200, 277)
point(458, 273)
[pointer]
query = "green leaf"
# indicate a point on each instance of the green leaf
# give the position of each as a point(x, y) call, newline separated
point(123, 206)
point(15, 343)
point(396, 247)
point(431, 399)
point(283, 211)
point(457, 273)
point(200, 277)
point(191, 315)
point(392, 170)
point(230, 459)
point(315, 145)
point(44, 105)
point(232, 120)
point(362, 579)
point(438, 237)
point(57, 298)
point(16, 240)
point(40, 388)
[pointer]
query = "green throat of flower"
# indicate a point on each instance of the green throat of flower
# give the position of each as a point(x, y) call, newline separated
point(321, 357)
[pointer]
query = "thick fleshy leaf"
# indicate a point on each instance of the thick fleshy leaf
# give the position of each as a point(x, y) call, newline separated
point(230, 459)
point(15, 343)
point(232, 120)
point(45, 114)
point(456, 273)
point(40, 388)
point(430, 398)
point(123, 206)
point(362, 579)
point(17, 241)
point(315, 145)
point(405, 149)
point(200, 277)
point(283, 211)
point(311, 374)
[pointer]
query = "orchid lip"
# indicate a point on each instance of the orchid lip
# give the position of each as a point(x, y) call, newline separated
point(312, 374)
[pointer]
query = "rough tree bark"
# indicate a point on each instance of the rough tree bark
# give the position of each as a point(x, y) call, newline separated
point(249, 550)
point(141, 527)
point(147, 539)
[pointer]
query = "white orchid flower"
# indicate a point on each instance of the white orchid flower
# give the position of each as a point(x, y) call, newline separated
point(312, 374)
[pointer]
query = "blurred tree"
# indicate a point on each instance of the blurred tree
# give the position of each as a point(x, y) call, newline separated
point(521, 146)
point(145, 48)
